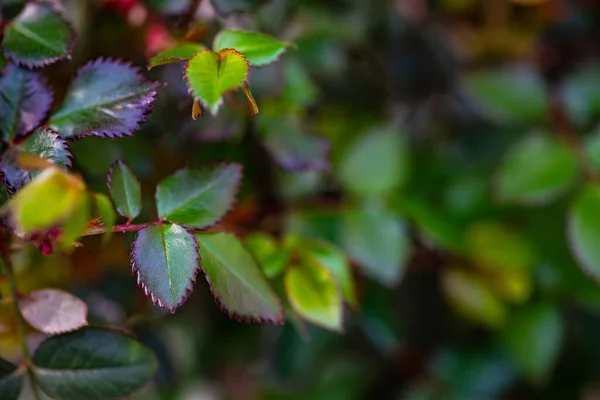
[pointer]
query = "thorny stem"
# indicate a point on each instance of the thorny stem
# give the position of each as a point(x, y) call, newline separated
point(8, 272)
point(119, 228)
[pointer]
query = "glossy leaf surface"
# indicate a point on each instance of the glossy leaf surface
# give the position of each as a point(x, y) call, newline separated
point(107, 98)
point(165, 259)
point(198, 198)
point(92, 363)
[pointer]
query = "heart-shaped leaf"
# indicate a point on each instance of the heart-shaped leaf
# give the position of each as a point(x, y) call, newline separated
point(377, 241)
point(176, 54)
point(44, 143)
point(198, 198)
point(536, 170)
point(25, 99)
point(107, 98)
point(53, 311)
point(11, 380)
point(314, 295)
point(125, 190)
point(583, 230)
point(237, 283)
point(259, 49)
point(211, 74)
point(38, 36)
point(376, 163)
point(92, 364)
point(165, 258)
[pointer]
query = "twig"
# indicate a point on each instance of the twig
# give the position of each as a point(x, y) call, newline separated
point(119, 228)
point(8, 271)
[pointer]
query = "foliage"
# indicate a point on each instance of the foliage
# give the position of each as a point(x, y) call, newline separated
point(411, 199)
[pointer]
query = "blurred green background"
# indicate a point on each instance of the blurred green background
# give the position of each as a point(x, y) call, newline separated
point(450, 147)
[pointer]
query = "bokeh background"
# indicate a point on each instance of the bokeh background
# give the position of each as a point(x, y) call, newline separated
point(467, 283)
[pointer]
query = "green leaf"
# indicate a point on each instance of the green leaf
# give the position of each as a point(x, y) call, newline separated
point(165, 258)
point(92, 364)
point(53, 311)
point(376, 163)
point(107, 214)
point(535, 171)
point(107, 98)
point(125, 190)
point(37, 37)
point(11, 380)
point(581, 97)
point(583, 230)
point(260, 49)
point(532, 339)
point(271, 256)
point(49, 199)
point(377, 241)
point(43, 142)
point(472, 298)
point(181, 52)
point(334, 260)
point(514, 94)
point(314, 295)
point(198, 198)
point(236, 282)
point(75, 224)
point(211, 74)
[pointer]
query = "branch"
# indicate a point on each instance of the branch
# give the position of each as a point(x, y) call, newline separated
point(119, 228)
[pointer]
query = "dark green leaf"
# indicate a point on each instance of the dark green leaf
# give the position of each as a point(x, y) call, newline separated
point(237, 283)
point(11, 380)
point(581, 97)
point(25, 99)
point(376, 163)
point(37, 37)
point(107, 98)
point(125, 190)
point(583, 230)
point(211, 74)
point(44, 143)
point(514, 94)
point(536, 170)
point(176, 54)
point(314, 295)
point(92, 364)
point(532, 339)
point(198, 198)
point(165, 258)
point(377, 241)
point(260, 49)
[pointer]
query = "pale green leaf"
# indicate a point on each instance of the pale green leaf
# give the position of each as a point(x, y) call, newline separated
point(260, 49)
point(125, 190)
point(181, 52)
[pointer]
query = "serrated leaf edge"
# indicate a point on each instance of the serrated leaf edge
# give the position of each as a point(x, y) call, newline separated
point(70, 43)
point(152, 296)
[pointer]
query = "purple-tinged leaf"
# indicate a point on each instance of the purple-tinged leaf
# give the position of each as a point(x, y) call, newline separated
point(25, 99)
point(237, 283)
point(107, 98)
point(43, 142)
point(38, 36)
point(53, 311)
point(165, 258)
